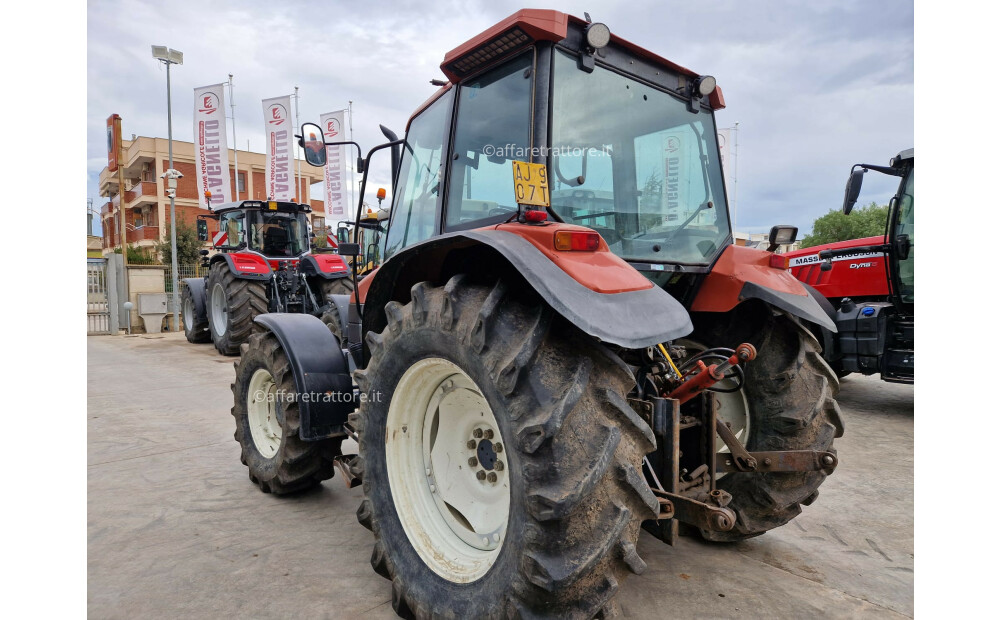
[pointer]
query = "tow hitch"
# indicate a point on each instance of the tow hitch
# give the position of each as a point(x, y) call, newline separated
point(686, 466)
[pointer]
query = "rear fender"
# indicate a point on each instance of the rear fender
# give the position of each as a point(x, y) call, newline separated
point(745, 273)
point(635, 314)
point(327, 266)
point(245, 265)
point(324, 390)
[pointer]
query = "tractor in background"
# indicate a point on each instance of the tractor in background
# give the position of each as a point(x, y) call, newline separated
point(868, 284)
point(263, 264)
point(560, 343)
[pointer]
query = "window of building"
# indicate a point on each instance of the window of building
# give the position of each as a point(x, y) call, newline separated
point(241, 182)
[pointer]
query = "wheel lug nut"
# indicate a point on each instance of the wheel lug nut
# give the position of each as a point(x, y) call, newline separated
point(481, 475)
point(471, 444)
point(488, 434)
point(477, 433)
point(498, 447)
point(472, 461)
point(491, 477)
point(499, 466)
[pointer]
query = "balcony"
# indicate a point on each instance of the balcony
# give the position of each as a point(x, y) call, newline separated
point(143, 233)
point(142, 189)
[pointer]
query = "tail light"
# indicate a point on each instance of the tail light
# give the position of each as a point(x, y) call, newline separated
point(577, 240)
point(779, 261)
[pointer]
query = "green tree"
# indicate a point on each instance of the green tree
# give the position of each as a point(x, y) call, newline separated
point(137, 255)
point(188, 246)
point(835, 226)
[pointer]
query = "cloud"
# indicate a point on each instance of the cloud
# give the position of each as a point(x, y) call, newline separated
point(815, 87)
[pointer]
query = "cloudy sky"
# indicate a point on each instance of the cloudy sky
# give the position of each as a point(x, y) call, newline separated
point(815, 87)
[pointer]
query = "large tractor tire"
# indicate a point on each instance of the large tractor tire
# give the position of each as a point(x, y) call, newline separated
point(195, 328)
point(789, 394)
point(500, 459)
point(232, 304)
point(340, 286)
point(267, 422)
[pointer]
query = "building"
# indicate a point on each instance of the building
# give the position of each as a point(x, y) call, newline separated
point(759, 240)
point(147, 206)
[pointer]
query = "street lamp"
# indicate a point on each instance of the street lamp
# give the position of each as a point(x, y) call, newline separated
point(171, 57)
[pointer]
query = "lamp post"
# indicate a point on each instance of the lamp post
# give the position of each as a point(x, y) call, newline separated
point(171, 57)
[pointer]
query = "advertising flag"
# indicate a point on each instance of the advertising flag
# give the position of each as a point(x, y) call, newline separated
point(335, 197)
point(279, 173)
point(211, 148)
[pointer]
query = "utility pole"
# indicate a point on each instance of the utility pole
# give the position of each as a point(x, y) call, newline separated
point(236, 151)
point(171, 57)
point(736, 160)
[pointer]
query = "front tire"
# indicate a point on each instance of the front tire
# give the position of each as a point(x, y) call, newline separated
point(267, 422)
point(571, 447)
point(232, 304)
point(196, 328)
point(790, 392)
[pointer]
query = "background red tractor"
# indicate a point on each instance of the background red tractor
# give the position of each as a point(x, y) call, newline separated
point(263, 264)
point(561, 343)
point(869, 284)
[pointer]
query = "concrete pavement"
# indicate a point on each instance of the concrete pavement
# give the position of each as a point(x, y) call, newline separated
point(175, 528)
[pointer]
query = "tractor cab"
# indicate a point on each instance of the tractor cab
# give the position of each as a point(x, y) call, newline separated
point(271, 228)
point(899, 232)
point(627, 137)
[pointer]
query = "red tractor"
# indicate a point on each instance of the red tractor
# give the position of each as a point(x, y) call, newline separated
point(263, 264)
point(869, 284)
point(560, 345)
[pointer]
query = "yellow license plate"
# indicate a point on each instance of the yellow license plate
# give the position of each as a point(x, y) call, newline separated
point(531, 184)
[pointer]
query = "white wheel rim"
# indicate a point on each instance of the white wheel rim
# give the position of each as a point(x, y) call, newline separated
point(220, 312)
point(262, 413)
point(454, 512)
point(188, 313)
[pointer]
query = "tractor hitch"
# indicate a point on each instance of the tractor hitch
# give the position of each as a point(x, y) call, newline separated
point(785, 461)
point(710, 375)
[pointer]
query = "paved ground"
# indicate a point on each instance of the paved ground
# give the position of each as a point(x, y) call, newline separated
point(176, 529)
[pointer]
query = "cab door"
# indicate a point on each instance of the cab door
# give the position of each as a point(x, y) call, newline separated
point(901, 246)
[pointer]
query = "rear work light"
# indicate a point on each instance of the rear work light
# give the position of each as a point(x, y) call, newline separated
point(577, 240)
point(779, 261)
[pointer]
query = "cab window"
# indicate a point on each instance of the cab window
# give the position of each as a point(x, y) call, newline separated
point(420, 176)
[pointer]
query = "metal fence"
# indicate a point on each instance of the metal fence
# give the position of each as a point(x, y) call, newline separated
point(98, 313)
point(183, 271)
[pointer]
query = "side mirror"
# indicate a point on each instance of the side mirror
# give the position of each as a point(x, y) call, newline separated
point(853, 189)
point(202, 230)
point(312, 143)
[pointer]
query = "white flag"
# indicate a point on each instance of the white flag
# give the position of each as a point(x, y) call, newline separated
point(211, 152)
point(279, 173)
point(335, 173)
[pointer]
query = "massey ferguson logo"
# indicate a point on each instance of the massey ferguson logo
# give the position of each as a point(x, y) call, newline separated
point(332, 128)
point(209, 103)
point(278, 114)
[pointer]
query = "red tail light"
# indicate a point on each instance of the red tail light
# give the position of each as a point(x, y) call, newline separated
point(577, 240)
point(779, 261)
point(535, 215)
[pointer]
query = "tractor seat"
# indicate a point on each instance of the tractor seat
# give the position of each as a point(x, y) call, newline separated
point(276, 242)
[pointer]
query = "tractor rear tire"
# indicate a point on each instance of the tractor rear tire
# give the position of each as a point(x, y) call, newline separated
point(571, 445)
point(196, 328)
point(790, 392)
point(267, 422)
point(231, 305)
point(340, 286)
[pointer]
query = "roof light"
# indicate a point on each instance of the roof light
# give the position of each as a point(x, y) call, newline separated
point(598, 35)
point(577, 240)
point(705, 84)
